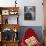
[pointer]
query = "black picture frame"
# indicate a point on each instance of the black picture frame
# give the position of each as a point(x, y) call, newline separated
point(29, 12)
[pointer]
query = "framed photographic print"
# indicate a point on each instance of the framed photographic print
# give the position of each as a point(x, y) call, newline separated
point(5, 12)
point(29, 12)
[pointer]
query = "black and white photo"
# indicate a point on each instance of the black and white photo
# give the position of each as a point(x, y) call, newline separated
point(29, 12)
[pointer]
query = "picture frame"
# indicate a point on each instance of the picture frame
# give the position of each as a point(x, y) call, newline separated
point(29, 12)
point(5, 12)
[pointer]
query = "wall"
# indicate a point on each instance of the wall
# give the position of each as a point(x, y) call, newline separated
point(39, 15)
point(21, 4)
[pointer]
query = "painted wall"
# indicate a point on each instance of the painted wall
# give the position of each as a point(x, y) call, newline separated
point(21, 4)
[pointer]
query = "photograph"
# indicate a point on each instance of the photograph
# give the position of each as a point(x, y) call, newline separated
point(29, 13)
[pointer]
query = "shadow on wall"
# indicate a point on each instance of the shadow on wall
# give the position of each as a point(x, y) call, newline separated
point(37, 29)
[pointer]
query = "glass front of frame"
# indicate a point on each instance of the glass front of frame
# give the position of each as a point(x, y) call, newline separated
point(29, 13)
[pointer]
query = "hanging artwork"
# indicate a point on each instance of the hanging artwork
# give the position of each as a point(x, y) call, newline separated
point(29, 12)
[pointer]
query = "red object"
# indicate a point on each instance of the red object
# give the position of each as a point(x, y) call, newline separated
point(29, 33)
